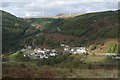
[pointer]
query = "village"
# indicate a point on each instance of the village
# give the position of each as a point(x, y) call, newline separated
point(40, 53)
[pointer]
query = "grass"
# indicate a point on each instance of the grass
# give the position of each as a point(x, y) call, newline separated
point(82, 71)
point(49, 72)
point(96, 73)
point(92, 59)
point(14, 56)
point(27, 63)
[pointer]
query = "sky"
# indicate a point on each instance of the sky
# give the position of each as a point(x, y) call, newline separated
point(29, 8)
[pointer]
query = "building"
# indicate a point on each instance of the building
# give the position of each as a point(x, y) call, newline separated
point(26, 54)
point(53, 50)
point(52, 54)
point(39, 51)
point(67, 49)
point(62, 45)
point(81, 50)
point(24, 50)
point(39, 56)
point(72, 50)
point(43, 56)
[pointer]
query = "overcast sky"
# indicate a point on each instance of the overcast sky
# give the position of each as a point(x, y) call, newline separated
point(27, 8)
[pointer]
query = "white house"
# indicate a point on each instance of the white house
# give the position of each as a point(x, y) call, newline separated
point(66, 48)
point(62, 45)
point(75, 52)
point(53, 50)
point(47, 50)
point(52, 54)
point(43, 56)
point(39, 56)
point(81, 50)
point(39, 51)
point(24, 50)
point(26, 54)
point(72, 50)
point(29, 47)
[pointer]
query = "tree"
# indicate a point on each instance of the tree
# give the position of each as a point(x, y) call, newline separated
point(40, 41)
point(90, 66)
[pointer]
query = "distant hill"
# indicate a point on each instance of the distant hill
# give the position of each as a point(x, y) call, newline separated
point(66, 15)
point(43, 23)
point(14, 30)
point(63, 15)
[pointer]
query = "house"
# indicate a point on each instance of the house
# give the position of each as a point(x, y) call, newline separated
point(52, 54)
point(35, 50)
point(62, 45)
point(39, 56)
point(39, 51)
point(34, 53)
point(26, 54)
point(28, 47)
point(72, 50)
point(75, 52)
point(53, 50)
point(43, 56)
point(47, 50)
point(24, 50)
point(44, 49)
point(66, 48)
point(81, 50)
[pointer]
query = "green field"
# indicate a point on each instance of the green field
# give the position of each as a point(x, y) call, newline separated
point(92, 59)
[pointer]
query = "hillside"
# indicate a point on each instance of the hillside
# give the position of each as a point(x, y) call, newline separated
point(82, 30)
point(43, 23)
point(14, 30)
point(89, 27)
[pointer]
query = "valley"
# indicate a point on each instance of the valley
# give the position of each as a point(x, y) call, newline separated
point(82, 46)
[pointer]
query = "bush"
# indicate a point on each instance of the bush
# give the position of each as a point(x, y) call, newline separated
point(112, 47)
point(92, 47)
point(51, 43)
point(93, 54)
point(23, 65)
point(40, 41)
point(90, 66)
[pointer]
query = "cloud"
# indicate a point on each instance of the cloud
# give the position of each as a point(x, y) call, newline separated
point(60, 0)
point(52, 8)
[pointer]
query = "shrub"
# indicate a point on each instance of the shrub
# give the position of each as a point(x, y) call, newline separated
point(93, 54)
point(92, 47)
point(90, 66)
point(23, 65)
point(112, 47)
point(40, 41)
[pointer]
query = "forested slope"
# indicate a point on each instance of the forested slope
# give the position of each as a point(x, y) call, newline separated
point(14, 30)
point(92, 25)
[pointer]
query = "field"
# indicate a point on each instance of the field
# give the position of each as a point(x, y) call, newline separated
point(69, 66)
point(48, 72)
point(93, 59)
